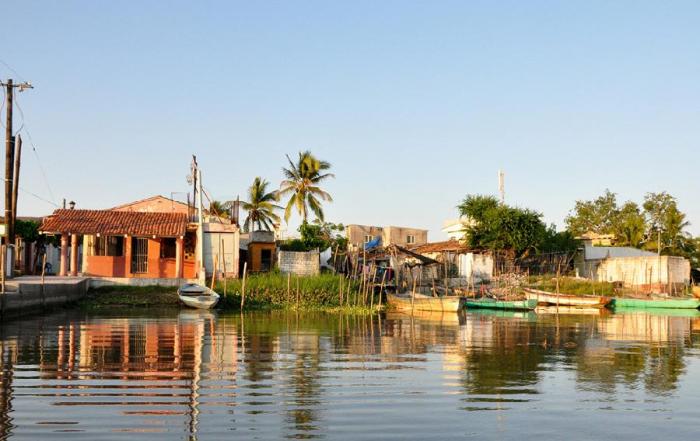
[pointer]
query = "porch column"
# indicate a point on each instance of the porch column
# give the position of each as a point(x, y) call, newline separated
point(127, 255)
point(74, 255)
point(179, 250)
point(64, 255)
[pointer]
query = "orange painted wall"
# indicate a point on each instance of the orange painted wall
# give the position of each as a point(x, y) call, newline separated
point(107, 266)
point(255, 255)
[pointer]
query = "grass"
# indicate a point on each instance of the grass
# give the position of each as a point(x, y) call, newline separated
point(570, 285)
point(277, 290)
point(130, 296)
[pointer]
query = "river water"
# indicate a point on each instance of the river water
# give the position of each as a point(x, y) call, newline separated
point(160, 374)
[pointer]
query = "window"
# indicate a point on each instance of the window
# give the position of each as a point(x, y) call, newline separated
point(108, 246)
point(368, 238)
point(410, 239)
point(168, 248)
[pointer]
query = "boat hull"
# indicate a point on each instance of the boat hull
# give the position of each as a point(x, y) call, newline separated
point(197, 296)
point(512, 305)
point(550, 298)
point(687, 303)
point(403, 302)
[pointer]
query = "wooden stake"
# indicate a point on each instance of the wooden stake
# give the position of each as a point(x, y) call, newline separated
point(223, 253)
point(43, 272)
point(2, 267)
point(341, 282)
point(297, 292)
point(413, 295)
point(245, 272)
point(216, 268)
point(289, 285)
point(381, 288)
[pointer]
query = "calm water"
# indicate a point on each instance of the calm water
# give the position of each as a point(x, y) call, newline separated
point(188, 375)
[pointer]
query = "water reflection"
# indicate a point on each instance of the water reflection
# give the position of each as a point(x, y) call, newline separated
point(270, 375)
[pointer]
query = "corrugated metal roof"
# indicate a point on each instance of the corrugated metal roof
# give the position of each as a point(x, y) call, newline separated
point(598, 253)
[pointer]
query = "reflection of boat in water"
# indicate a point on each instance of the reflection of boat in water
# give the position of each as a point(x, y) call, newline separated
point(197, 296)
point(513, 305)
point(552, 298)
point(444, 318)
point(571, 310)
point(656, 303)
point(195, 315)
point(421, 302)
point(504, 313)
point(667, 312)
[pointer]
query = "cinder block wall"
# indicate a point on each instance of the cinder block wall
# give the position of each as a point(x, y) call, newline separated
point(299, 262)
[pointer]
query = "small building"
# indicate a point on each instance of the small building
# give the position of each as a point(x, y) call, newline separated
point(632, 267)
point(124, 244)
point(455, 228)
point(460, 261)
point(597, 240)
point(259, 250)
point(360, 235)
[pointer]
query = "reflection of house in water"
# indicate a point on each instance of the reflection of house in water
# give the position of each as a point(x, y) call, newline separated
point(644, 327)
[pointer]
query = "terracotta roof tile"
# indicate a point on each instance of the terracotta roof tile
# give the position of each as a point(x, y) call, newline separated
point(108, 222)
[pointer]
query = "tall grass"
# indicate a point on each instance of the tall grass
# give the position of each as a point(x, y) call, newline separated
point(274, 289)
point(570, 285)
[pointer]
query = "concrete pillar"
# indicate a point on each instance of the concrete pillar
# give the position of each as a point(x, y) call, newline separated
point(179, 256)
point(127, 256)
point(64, 255)
point(74, 255)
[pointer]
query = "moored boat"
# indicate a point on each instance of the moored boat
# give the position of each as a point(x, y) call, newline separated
point(197, 296)
point(656, 303)
point(552, 298)
point(421, 302)
point(513, 305)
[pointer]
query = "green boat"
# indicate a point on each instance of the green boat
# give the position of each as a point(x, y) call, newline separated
point(670, 303)
point(515, 305)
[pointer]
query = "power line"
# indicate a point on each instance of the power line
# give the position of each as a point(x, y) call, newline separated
point(41, 167)
point(20, 77)
point(38, 197)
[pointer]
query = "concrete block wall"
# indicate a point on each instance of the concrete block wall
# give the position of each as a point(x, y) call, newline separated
point(301, 263)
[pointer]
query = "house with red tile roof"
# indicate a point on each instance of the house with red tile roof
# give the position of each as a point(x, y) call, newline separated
point(147, 239)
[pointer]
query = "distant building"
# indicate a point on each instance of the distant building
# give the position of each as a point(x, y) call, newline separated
point(155, 204)
point(475, 267)
point(359, 235)
point(455, 228)
point(597, 240)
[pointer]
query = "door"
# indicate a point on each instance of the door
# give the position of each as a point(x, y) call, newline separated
point(139, 255)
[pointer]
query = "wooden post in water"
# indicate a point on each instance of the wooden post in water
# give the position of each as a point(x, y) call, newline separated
point(43, 272)
point(245, 271)
point(2, 267)
point(371, 299)
point(289, 286)
point(381, 288)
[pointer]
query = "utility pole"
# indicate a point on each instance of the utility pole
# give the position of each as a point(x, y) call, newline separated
point(11, 169)
point(15, 180)
point(9, 162)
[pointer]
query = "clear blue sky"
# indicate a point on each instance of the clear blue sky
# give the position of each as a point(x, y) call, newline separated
point(414, 103)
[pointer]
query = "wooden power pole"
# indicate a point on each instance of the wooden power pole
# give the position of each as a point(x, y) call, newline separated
point(9, 163)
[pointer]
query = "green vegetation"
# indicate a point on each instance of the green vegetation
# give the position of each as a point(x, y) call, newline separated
point(301, 182)
point(496, 226)
point(657, 225)
point(271, 290)
point(317, 235)
point(570, 285)
point(130, 296)
point(260, 206)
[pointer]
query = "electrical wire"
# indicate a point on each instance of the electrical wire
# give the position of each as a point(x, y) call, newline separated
point(38, 197)
point(19, 77)
point(41, 167)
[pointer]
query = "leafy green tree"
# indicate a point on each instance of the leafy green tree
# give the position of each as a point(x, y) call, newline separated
point(629, 225)
point(496, 226)
point(302, 184)
point(666, 222)
point(318, 235)
point(598, 215)
point(260, 206)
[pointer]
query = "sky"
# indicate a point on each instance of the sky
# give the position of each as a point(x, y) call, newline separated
point(415, 103)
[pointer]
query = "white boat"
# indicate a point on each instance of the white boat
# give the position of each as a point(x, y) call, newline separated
point(197, 296)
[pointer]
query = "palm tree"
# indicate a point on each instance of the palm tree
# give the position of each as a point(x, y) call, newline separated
point(218, 208)
point(260, 206)
point(302, 181)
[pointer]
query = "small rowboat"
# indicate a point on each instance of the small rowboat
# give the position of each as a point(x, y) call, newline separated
point(197, 296)
point(664, 303)
point(512, 305)
point(421, 302)
point(552, 298)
